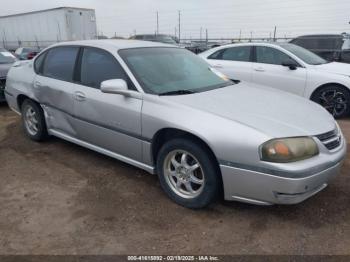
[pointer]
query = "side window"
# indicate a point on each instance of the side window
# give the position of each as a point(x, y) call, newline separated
point(240, 53)
point(39, 63)
point(268, 55)
point(217, 55)
point(97, 66)
point(60, 63)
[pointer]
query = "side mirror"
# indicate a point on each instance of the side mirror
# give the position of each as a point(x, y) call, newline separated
point(115, 86)
point(291, 64)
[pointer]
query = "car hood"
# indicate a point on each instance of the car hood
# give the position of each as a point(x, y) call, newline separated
point(4, 68)
point(335, 68)
point(272, 112)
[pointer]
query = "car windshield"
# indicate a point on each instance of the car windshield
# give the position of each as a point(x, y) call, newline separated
point(304, 54)
point(162, 70)
point(6, 57)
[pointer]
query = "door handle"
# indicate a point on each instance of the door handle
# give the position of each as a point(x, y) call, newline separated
point(80, 96)
point(37, 84)
point(217, 66)
point(259, 69)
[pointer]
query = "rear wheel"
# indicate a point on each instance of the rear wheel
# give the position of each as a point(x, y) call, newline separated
point(335, 99)
point(33, 120)
point(188, 174)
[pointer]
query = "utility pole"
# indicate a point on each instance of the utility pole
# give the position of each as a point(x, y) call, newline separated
point(157, 23)
point(240, 35)
point(200, 34)
point(206, 37)
point(179, 25)
point(274, 34)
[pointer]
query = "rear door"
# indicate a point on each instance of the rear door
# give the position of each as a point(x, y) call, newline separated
point(234, 62)
point(110, 121)
point(268, 70)
point(54, 87)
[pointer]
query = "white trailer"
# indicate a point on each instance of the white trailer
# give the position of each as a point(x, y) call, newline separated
point(45, 27)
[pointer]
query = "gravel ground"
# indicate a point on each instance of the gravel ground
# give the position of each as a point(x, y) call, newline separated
point(59, 198)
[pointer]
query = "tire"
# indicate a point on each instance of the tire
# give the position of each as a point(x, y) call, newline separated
point(34, 120)
point(204, 180)
point(335, 99)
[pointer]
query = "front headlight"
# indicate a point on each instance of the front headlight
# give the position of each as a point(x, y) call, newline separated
point(289, 149)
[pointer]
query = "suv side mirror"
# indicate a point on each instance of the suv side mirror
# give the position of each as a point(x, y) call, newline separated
point(291, 64)
point(115, 86)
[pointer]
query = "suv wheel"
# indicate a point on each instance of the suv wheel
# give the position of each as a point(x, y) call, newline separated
point(335, 99)
point(33, 120)
point(188, 174)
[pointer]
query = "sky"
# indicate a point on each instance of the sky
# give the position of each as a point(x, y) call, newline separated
point(221, 18)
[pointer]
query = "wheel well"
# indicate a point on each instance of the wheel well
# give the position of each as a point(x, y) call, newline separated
point(20, 100)
point(325, 85)
point(166, 134)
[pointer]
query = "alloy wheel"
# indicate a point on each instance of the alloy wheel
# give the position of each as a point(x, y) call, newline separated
point(184, 174)
point(31, 120)
point(334, 101)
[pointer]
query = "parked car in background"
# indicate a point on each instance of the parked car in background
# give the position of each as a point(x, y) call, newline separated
point(287, 67)
point(26, 53)
point(201, 46)
point(330, 47)
point(165, 110)
point(166, 39)
point(6, 61)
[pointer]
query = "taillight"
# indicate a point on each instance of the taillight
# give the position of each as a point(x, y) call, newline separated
point(31, 55)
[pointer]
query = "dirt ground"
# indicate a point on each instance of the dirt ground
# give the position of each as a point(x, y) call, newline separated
point(59, 198)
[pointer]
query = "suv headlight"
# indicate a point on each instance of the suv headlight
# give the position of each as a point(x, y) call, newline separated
point(289, 149)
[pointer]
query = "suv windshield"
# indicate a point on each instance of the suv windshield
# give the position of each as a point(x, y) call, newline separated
point(162, 70)
point(6, 57)
point(304, 54)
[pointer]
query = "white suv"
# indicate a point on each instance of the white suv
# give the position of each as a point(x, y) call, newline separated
point(289, 68)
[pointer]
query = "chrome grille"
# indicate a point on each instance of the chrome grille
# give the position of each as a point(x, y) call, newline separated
point(331, 139)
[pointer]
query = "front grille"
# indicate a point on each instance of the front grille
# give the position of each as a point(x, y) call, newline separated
point(331, 139)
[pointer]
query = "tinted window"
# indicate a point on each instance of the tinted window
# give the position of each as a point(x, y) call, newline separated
point(97, 66)
point(268, 55)
point(60, 62)
point(239, 53)
point(320, 43)
point(38, 64)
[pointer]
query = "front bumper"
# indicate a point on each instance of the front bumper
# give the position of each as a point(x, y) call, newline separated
point(257, 187)
point(264, 189)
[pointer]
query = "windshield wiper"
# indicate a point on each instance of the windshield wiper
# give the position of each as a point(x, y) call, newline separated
point(177, 92)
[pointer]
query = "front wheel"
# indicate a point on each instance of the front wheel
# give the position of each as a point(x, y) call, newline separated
point(188, 174)
point(335, 99)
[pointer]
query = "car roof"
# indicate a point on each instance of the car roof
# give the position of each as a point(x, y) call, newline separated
point(115, 44)
point(254, 43)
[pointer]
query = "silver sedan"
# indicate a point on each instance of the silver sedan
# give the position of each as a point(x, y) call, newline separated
point(163, 109)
